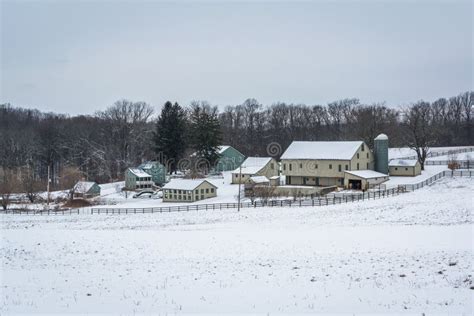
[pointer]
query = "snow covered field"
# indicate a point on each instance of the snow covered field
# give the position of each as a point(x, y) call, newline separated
point(409, 253)
point(398, 152)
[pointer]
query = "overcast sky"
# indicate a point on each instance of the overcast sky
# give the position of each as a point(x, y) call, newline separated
point(79, 57)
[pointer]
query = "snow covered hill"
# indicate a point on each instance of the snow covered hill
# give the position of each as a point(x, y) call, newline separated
point(410, 253)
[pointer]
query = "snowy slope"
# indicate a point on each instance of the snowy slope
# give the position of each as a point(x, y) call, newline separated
point(410, 253)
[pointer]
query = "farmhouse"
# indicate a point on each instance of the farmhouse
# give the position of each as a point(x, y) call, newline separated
point(323, 163)
point(136, 179)
point(86, 189)
point(156, 170)
point(404, 167)
point(230, 159)
point(363, 179)
point(183, 190)
point(255, 166)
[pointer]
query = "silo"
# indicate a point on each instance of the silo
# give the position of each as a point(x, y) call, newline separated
point(381, 153)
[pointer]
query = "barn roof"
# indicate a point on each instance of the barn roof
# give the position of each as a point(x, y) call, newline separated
point(83, 186)
point(344, 150)
point(185, 184)
point(366, 174)
point(259, 179)
point(252, 165)
point(402, 163)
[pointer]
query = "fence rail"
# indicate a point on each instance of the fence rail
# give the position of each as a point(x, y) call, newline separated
point(462, 164)
point(319, 201)
point(442, 153)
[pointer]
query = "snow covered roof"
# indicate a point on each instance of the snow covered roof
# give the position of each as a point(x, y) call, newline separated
point(222, 149)
point(322, 150)
point(149, 165)
point(381, 137)
point(252, 165)
point(367, 174)
point(185, 184)
point(83, 186)
point(402, 163)
point(259, 179)
point(274, 177)
point(138, 172)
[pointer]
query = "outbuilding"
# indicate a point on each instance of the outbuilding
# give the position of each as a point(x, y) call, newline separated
point(255, 166)
point(363, 179)
point(404, 167)
point(86, 190)
point(187, 190)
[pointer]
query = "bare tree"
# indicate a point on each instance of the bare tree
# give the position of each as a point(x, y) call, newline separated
point(8, 185)
point(420, 134)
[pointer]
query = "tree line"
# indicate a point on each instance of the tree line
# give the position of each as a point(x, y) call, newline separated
point(100, 147)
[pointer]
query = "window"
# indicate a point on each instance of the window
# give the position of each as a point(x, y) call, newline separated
point(184, 197)
point(202, 191)
point(367, 165)
point(363, 147)
point(315, 166)
point(396, 168)
point(202, 197)
point(406, 169)
point(357, 166)
point(367, 155)
point(137, 179)
point(301, 166)
point(330, 166)
point(179, 191)
point(207, 190)
point(340, 168)
point(290, 166)
point(174, 191)
point(197, 191)
point(212, 190)
point(357, 155)
point(347, 167)
point(272, 166)
point(284, 166)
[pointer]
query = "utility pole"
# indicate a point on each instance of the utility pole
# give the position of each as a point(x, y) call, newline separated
point(47, 186)
point(240, 182)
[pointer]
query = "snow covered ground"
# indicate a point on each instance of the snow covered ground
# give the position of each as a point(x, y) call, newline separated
point(398, 152)
point(460, 156)
point(429, 171)
point(409, 253)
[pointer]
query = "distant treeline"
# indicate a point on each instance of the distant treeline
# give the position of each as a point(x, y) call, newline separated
point(102, 145)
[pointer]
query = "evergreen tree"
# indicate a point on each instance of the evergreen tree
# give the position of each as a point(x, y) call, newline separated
point(170, 135)
point(205, 133)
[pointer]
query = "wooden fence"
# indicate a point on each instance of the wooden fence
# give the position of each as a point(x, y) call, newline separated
point(442, 153)
point(462, 164)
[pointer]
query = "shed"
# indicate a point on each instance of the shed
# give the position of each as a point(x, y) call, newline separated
point(363, 179)
point(187, 190)
point(255, 166)
point(404, 167)
point(86, 189)
point(275, 181)
point(262, 180)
